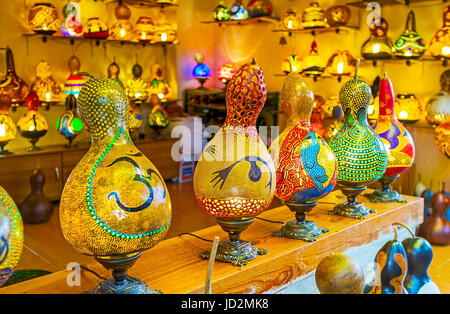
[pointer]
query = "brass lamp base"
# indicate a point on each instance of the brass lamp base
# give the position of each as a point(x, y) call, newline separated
point(350, 208)
point(386, 195)
point(300, 228)
point(234, 250)
point(121, 283)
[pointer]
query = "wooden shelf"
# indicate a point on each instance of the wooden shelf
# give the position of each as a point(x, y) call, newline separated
point(363, 4)
point(147, 4)
point(408, 62)
point(255, 20)
point(174, 265)
point(321, 30)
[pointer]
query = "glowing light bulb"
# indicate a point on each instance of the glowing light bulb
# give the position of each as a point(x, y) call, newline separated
point(122, 32)
point(403, 115)
point(48, 96)
point(446, 50)
point(408, 53)
point(143, 36)
point(137, 95)
point(31, 128)
point(370, 109)
point(163, 37)
point(340, 67)
point(44, 26)
point(160, 95)
point(294, 68)
point(2, 130)
point(290, 25)
point(376, 48)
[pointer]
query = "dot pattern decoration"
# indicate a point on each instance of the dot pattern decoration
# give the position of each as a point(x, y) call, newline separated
point(11, 235)
point(232, 208)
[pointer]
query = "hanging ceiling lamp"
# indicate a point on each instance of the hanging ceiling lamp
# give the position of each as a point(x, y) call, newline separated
point(378, 46)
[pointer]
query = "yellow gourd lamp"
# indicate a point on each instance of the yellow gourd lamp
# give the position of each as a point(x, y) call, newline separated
point(144, 29)
point(408, 108)
point(439, 106)
point(398, 142)
point(8, 130)
point(292, 63)
point(122, 28)
point(378, 46)
point(11, 236)
point(43, 18)
point(136, 87)
point(306, 168)
point(158, 84)
point(158, 118)
point(164, 32)
point(442, 138)
point(46, 87)
point(360, 153)
point(341, 63)
point(32, 125)
point(289, 21)
point(440, 43)
point(115, 203)
point(313, 16)
point(234, 179)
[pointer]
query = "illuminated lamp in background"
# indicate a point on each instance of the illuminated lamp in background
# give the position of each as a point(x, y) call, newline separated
point(8, 130)
point(221, 12)
point(439, 106)
point(202, 72)
point(158, 119)
point(226, 72)
point(71, 25)
point(292, 63)
point(257, 8)
point(337, 123)
point(137, 87)
point(144, 29)
point(337, 15)
point(96, 29)
point(316, 117)
point(74, 82)
point(313, 16)
point(238, 12)
point(122, 28)
point(440, 43)
point(32, 125)
point(398, 143)
point(408, 108)
point(43, 18)
point(158, 84)
point(12, 85)
point(313, 65)
point(289, 21)
point(341, 63)
point(442, 138)
point(374, 106)
point(164, 32)
point(47, 89)
point(378, 46)
point(135, 121)
point(113, 71)
point(410, 45)
point(68, 124)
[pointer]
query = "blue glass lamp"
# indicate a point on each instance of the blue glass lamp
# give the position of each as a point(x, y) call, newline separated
point(202, 72)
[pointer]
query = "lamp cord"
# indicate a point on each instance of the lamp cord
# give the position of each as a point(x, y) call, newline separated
point(93, 272)
point(194, 236)
point(272, 221)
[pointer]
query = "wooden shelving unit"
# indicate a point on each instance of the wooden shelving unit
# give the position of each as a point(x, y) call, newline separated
point(255, 20)
point(321, 30)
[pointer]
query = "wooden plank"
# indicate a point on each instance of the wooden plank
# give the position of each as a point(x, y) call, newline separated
point(173, 266)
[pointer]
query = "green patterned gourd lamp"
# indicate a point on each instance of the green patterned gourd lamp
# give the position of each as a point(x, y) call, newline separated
point(361, 155)
point(115, 203)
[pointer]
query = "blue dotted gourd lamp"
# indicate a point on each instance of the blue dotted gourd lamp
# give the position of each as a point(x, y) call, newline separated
point(360, 153)
point(115, 203)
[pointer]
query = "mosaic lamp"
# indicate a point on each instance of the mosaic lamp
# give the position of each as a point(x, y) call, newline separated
point(221, 12)
point(306, 168)
point(226, 73)
point(11, 236)
point(378, 46)
point(440, 43)
point(32, 125)
point(202, 72)
point(439, 105)
point(43, 18)
point(291, 63)
point(68, 124)
point(8, 130)
point(410, 45)
point(115, 204)
point(158, 84)
point(360, 153)
point(232, 185)
point(238, 11)
point(398, 142)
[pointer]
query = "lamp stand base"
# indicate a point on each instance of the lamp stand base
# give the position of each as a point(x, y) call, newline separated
point(300, 228)
point(234, 250)
point(121, 283)
point(386, 194)
point(350, 208)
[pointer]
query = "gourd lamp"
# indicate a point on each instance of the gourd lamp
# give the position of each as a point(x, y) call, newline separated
point(32, 125)
point(96, 29)
point(410, 45)
point(12, 85)
point(68, 124)
point(313, 65)
point(313, 16)
point(46, 87)
point(341, 63)
point(292, 63)
point(225, 73)
point(305, 165)
point(238, 12)
point(115, 203)
point(221, 12)
point(144, 29)
point(202, 72)
point(71, 25)
point(337, 15)
point(135, 121)
point(439, 106)
point(408, 108)
point(11, 233)
point(137, 87)
point(442, 138)
point(378, 46)
point(360, 153)
point(397, 141)
point(74, 82)
point(122, 28)
point(158, 84)
point(440, 43)
point(164, 32)
point(8, 130)
point(113, 71)
point(235, 186)
point(258, 8)
point(158, 119)
point(289, 21)
point(43, 18)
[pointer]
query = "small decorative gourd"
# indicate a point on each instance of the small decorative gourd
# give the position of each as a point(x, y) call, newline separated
point(410, 45)
point(305, 165)
point(361, 155)
point(114, 72)
point(397, 141)
point(11, 236)
point(115, 203)
point(234, 179)
point(68, 124)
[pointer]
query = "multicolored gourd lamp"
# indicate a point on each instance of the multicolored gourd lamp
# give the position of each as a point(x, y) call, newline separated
point(137, 87)
point(313, 65)
point(32, 125)
point(333, 128)
point(291, 63)
point(258, 8)
point(440, 43)
point(337, 15)
point(74, 82)
point(341, 63)
point(360, 153)
point(43, 18)
point(439, 105)
point(122, 29)
point(202, 72)
point(397, 141)
point(305, 165)
point(46, 87)
point(135, 121)
point(158, 84)
point(378, 46)
point(221, 12)
point(226, 73)
point(71, 25)
point(289, 21)
point(11, 234)
point(238, 12)
point(410, 45)
point(68, 124)
point(235, 185)
point(164, 32)
point(13, 85)
point(96, 29)
point(158, 119)
point(144, 29)
point(125, 207)
point(313, 16)
point(8, 130)
point(339, 274)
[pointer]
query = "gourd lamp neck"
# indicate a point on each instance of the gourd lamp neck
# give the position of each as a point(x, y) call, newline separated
point(297, 99)
point(386, 96)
